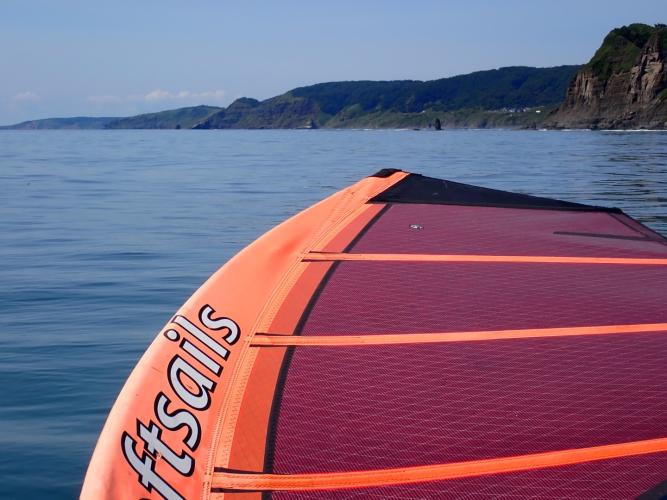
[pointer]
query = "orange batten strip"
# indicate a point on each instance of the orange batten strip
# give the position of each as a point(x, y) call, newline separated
point(264, 340)
point(480, 258)
point(456, 470)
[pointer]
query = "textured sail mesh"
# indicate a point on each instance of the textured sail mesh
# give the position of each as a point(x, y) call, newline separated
point(391, 297)
point(375, 407)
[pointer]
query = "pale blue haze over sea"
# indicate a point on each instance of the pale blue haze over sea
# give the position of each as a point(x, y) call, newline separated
point(104, 234)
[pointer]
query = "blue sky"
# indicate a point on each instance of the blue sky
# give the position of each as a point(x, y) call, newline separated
point(114, 58)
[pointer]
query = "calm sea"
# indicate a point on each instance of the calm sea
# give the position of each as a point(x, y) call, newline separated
point(103, 234)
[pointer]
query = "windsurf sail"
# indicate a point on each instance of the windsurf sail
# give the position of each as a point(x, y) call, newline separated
point(408, 337)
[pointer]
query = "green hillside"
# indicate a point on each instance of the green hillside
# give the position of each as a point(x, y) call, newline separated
point(494, 89)
point(171, 119)
point(74, 123)
point(399, 103)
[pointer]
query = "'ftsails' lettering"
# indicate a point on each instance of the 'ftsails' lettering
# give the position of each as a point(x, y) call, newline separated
point(193, 374)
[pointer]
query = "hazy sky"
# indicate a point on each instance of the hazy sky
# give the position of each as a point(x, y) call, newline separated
point(117, 57)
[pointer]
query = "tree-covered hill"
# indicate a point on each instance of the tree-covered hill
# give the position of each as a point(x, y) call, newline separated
point(173, 118)
point(73, 123)
point(494, 89)
point(350, 104)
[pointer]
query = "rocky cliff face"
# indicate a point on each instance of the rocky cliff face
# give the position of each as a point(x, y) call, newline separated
point(623, 86)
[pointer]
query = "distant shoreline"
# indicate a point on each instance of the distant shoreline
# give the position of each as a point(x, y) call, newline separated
point(511, 97)
point(351, 129)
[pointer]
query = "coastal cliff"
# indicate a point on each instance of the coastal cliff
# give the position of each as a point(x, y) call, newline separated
point(624, 85)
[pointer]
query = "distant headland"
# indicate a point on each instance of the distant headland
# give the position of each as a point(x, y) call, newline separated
point(624, 86)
